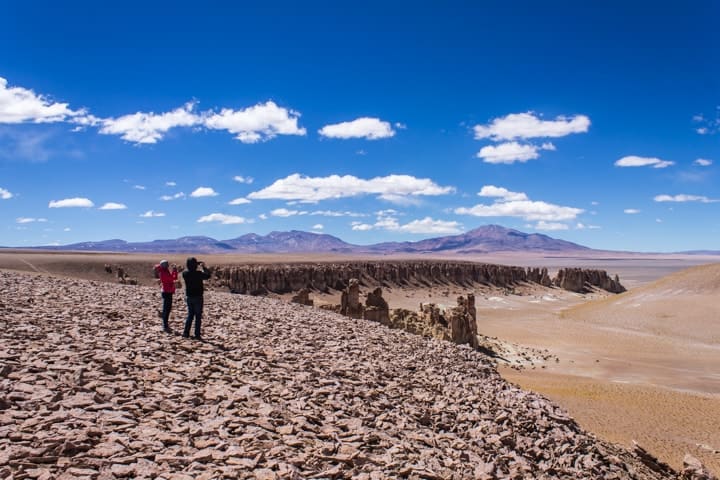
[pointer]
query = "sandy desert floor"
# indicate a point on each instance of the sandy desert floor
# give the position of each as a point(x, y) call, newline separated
point(644, 365)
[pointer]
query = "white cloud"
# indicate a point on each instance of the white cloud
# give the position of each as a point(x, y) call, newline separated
point(239, 201)
point(262, 216)
point(150, 127)
point(258, 123)
point(333, 213)
point(5, 194)
point(364, 127)
point(511, 152)
point(528, 125)
point(30, 220)
point(503, 193)
point(359, 226)
point(658, 220)
point(241, 179)
point(703, 162)
point(204, 192)
point(113, 206)
point(635, 161)
point(139, 187)
point(152, 213)
point(171, 184)
point(284, 212)
point(428, 225)
point(314, 189)
point(66, 229)
point(631, 211)
point(71, 202)
point(520, 208)
point(174, 196)
point(388, 221)
point(222, 218)
point(683, 198)
point(318, 226)
point(20, 105)
point(552, 226)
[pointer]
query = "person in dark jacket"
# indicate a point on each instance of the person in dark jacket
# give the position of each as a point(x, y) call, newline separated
point(194, 289)
point(167, 279)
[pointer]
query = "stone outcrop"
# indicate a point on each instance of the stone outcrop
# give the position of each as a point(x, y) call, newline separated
point(583, 280)
point(303, 297)
point(321, 277)
point(376, 308)
point(90, 388)
point(350, 305)
point(462, 321)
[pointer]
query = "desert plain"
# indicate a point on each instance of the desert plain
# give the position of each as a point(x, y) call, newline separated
point(642, 366)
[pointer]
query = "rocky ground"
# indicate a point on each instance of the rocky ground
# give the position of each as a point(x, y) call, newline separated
point(91, 388)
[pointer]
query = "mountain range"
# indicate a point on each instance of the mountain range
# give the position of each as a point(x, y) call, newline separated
point(485, 239)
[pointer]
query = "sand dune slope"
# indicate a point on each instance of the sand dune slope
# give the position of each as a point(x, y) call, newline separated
point(90, 388)
point(684, 305)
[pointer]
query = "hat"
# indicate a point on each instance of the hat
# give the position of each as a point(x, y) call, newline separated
point(164, 263)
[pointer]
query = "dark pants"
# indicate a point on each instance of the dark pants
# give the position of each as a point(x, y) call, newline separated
point(167, 306)
point(195, 309)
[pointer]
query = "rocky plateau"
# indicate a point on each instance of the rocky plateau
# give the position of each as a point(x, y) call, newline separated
point(91, 388)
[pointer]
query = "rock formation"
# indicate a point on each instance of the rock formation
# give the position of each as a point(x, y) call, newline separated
point(350, 305)
point(90, 388)
point(303, 297)
point(261, 279)
point(376, 308)
point(582, 280)
point(462, 320)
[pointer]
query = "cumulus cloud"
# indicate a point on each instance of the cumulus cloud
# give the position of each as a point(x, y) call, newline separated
point(333, 213)
point(369, 128)
point(297, 187)
point(241, 179)
point(681, 198)
point(702, 162)
point(707, 126)
point(388, 221)
point(517, 204)
point(71, 202)
point(631, 211)
point(257, 123)
point(635, 161)
point(239, 201)
point(222, 219)
point(113, 206)
point(170, 184)
point(139, 187)
point(318, 226)
point(5, 194)
point(552, 226)
point(528, 125)
point(20, 105)
point(284, 212)
point(502, 193)
point(144, 128)
point(511, 152)
point(204, 192)
point(152, 214)
point(30, 220)
point(174, 196)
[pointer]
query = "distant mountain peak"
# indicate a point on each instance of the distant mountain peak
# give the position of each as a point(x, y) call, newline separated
point(483, 239)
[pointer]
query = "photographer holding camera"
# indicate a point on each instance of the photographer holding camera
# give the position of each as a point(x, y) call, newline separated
point(194, 289)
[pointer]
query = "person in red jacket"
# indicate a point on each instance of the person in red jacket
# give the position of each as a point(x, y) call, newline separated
point(167, 278)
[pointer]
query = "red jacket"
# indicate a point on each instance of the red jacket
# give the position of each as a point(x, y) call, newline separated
point(167, 278)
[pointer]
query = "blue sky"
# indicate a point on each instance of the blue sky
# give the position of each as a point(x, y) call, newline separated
point(382, 121)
